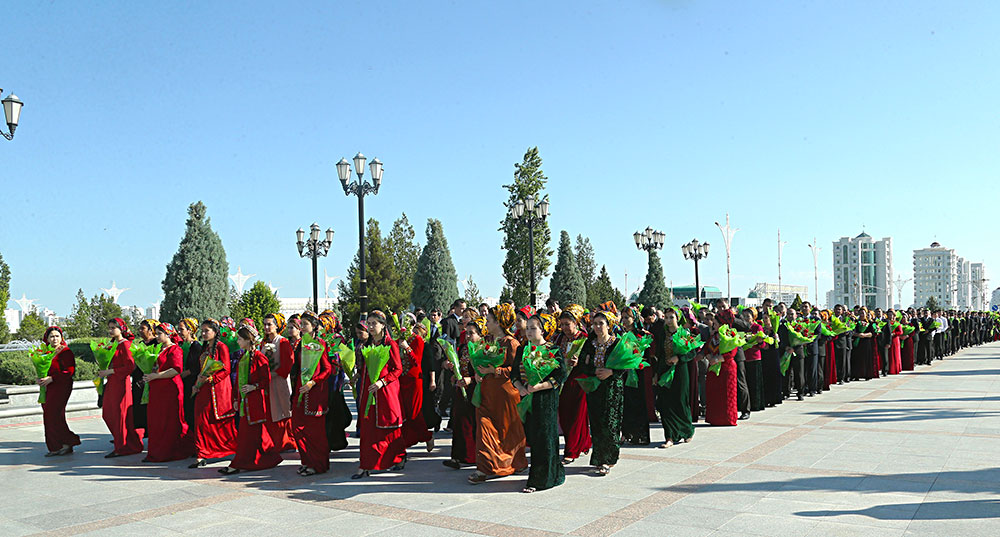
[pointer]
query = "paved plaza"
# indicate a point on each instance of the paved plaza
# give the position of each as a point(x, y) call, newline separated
point(913, 454)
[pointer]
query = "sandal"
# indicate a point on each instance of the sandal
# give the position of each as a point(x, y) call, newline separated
point(666, 444)
point(399, 466)
point(229, 470)
point(452, 463)
point(198, 464)
point(568, 460)
point(359, 475)
point(603, 470)
point(308, 472)
point(430, 444)
point(478, 477)
point(528, 490)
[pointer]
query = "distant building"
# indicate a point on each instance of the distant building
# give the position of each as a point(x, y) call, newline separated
point(977, 282)
point(831, 299)
point(153, 312)
point(862, 271)
point(787, 295)
point(682, 294)
point(995, 300)
point(13, 318)
point(949, 278)
point(290, 306)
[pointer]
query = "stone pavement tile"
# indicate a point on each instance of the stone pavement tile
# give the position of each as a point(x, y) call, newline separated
point(769, 525)
point(701, 517)
point(727, 500)
point(644, 528)
point(131, 529)
point(189, 520)
point(21, 504)
point(15, 528)
point(878, 483)
point(66, 517)
point(349, 525)
point(836, 529)
point(979, 527)
point(982, 508)
point(484, 510)
point(543, 518)
point(410, 529)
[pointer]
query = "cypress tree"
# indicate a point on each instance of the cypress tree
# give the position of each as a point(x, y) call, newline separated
point(436, 282)
point(528, 181)
point(405, 253)
point(4, 298)
point(472, 295)
point(654, 290)
point(585, 262)
point(196, 284)
point(603, 291)
point(567, 286)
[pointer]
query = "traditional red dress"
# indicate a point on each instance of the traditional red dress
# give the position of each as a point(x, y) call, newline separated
point(720, 402)
point(255, 449)
point(895, 356)
point(166, 430)
point(908, 353)
point(830, 376)
point(308, 411)
point(279, 425)
point(215, 430)
point(57, 433)
point(382, 441)
point(117, 407)
point(411, 394)
point(573, 418)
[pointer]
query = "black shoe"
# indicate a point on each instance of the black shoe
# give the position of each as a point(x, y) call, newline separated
point(452, 463)
point(745, 416)
point(800, 398)
point(399, 466)
point(359, 475)
point(198, 464)
point(146, 460)
point(111, 455)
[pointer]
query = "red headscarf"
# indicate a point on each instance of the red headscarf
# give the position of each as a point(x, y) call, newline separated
point(126, 333)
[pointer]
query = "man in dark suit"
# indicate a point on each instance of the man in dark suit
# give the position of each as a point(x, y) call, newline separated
point(797, 352)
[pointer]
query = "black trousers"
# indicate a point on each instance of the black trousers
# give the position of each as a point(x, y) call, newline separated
point(742, 390)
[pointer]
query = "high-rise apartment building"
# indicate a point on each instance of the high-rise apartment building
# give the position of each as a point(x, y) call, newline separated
point(862, 271)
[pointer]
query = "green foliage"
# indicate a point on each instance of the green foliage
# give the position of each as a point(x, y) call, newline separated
point(255, 303)
point(528, 181)
point(585, 262)
point(80, 322)
point(383, 280)
point(16, 369)
point(506, 293)
point(402, 248)
point(436, 283)
point(604, 291)
point(797, 303)
point(103, 309)
point(196, 284)
point(4, 298)
point(567, 285)
point(932, 304)
point(32, 327)
point(472, 295)
point(654, 290)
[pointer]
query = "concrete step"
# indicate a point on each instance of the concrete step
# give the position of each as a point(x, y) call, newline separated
point(19, 404)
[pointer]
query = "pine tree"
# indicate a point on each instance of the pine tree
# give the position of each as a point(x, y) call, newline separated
point(81, 321)
point(567, 286)
point(472, 296)
point(102, 310)
point(255, 303)
point(585, 261)
point(604, 291)
point(528, 181)
point(797, 303)
point(654, 290)
point(436, 282)
point(4, 298)
point(32, 327)
point(196, 284)
point(932, 304)
point(383, 280)
point(401, 247)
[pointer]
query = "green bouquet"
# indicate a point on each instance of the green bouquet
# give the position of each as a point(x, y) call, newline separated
point(104, 351)
point(798, 333)
point(786, 360)
point(312, 353)
point(484, 355)
point(756, 339)
point(907, 329)
point(449, 352)
point(729, 339)
point(145, 358)
point(375, 360)
point(228, 337)
point(684, 343)
point(538, 362)
point(41, 358)
point(209, 368)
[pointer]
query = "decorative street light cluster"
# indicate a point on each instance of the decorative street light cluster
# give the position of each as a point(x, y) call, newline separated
point(12, 112)
point(360, 188)
point(649, 240)
point(314, 248)
point(532, 213)
point(695, 251)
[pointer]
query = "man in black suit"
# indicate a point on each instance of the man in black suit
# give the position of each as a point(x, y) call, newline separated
point(450, 331)
point(798, 352)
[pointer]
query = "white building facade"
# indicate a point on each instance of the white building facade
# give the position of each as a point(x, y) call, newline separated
point(862, 272)
point(953, 281)
point(786, 294)
point(977, 271)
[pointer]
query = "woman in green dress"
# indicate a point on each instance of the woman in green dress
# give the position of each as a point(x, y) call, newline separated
point(604, 404)
point(541, 425)
point(673, 400)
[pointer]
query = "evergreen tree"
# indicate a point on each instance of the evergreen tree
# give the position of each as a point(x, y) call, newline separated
point(567, 286)
point(528, 181)
point(32, 327)
point(81, 321)
point(472, 296)
point(436, 282)
point(134, 316)
point(506, 293)
point(932, 304)
point(797, 303)
point(102, 310)
point(196, 284)
point(604, 291)
point(4, 298)
point(401, 247)
point(383, 280)
point(256, 303)
point(585, 261)
point(654, 291)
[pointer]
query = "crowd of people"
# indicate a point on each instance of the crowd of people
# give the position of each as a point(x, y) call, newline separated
point(505, 378)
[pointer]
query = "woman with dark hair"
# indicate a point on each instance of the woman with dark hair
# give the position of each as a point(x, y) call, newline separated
point(500, 440)
point(720, 388)
point(573, 418)
point(541, 422)
point(463, 412)
point(635, 415)
point(255, 449)
point(167, 431)
point(215, 430)
point(58, 384)
point(754, 367)
point(117, 408)
point(411, 390)
point(280, 356)
point(338, 414)
point(605, 403)
point(673, 401)
point(188, 330)
point(139, 411)
point(310, 400)
point(383, 446)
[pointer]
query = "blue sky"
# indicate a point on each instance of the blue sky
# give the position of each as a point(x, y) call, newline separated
point(819, 119)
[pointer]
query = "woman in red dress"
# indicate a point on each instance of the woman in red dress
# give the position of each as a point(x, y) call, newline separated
point(411, 390)
point(166, 432)
point(117, 407)
point(573, 419)
point(58, 384)
point(215, 428)
point(382, 444)
point(895, 354)
point(310, 404)
point(280, 357)
point(255, 449)
point(720, 401)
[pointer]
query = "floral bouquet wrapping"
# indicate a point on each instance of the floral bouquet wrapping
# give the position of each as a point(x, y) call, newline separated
point(312, 353)
point(729, 339)
point(775, 319)
point(145, 358)
point(756, 338)
point(449, 352)
point(907, 329)
point(626, 356)
point(684, 344)
point(228, 336)
point(103, 350)
point(538, 362)
point(209, 368)
point(484, 355)
point(41, 358)
point(799, 333)
point(786, 360)
point(375, 360)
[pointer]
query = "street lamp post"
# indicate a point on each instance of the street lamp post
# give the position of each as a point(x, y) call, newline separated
point(781, 246)
point(533, 214)
point(727, 235)
point(650, 241)
point(815, 250)
point(360, 188)
point(314, 248)
point(695, 251)
point(12, 112)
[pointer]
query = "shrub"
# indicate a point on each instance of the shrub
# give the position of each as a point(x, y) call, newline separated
point(16, 368)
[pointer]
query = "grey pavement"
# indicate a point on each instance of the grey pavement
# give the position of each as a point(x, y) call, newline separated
point(912, 454)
